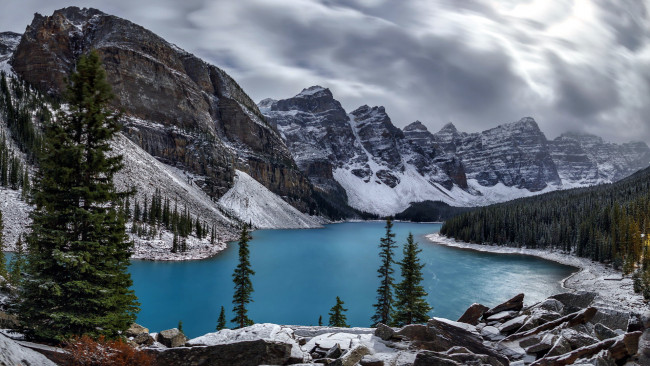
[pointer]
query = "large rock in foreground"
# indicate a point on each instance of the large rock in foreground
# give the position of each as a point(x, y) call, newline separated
point(245, 353)
point(12, 354)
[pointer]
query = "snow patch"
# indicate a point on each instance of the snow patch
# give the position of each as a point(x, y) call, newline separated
point(251, 202)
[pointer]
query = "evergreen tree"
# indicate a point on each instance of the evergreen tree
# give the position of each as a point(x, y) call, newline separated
point(17, 263)
point(180, 326)
point(3, 260)
point(337, 316)
point(76, 279)
point(243, 284)
point(384, 305)
point(320, 320)
point(410, 304)
point(221, 322)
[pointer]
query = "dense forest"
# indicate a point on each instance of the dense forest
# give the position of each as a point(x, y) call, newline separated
point(607, 223)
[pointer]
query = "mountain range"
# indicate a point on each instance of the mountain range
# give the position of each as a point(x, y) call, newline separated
point(383, 169)
point(192, 133)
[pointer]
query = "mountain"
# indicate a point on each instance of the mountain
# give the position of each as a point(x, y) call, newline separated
point(383, 169)
point(189, 130)
point(180, 109)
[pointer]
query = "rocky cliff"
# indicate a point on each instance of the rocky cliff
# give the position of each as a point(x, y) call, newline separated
point(383, 169)
point(185, 112)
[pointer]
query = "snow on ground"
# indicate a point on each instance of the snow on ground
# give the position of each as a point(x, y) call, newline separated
point(15, 216)
point(614, 290)
point(11, 353)
point(146, 174)
point(252, 202)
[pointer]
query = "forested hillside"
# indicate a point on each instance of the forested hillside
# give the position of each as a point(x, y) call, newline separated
point(607, 223)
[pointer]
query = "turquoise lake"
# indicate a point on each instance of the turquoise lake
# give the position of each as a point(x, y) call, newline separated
point(299, 273)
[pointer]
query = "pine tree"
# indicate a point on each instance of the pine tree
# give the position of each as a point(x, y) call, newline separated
point(221, 322)
point(384, 305)
point(3, 260)
point(337, 316)
point(180, 326)
point(17, 263)
point(76, 279)
point(243, 284)
point(410, 304)
point(320, 320)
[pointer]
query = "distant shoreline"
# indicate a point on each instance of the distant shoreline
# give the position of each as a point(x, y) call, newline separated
point(589, 276)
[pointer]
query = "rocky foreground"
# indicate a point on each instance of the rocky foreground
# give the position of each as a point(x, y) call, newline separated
point(565, 329)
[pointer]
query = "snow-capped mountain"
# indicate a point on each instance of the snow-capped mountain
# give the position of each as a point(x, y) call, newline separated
point(383, 169)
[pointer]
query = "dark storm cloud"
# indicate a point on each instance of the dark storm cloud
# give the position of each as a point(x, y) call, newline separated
point(579, 65)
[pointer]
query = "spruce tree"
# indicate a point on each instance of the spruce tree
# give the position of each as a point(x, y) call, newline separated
point(3, 260)
point(320, 320)
point(78, 252)
point(221, 322)
point(384, 304)
point(243, 284)
point(410, 304)
point(17, 263)
point(337, 316)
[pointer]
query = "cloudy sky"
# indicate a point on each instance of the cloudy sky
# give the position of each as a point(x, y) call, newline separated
point(571, 64)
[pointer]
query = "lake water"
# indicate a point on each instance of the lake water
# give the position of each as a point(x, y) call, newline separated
point(299, 273)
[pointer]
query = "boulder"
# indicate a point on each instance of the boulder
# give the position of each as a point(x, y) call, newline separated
point(244, 353)
point(369, 360)
point(334, 352)
point(575, 301)
point(514, 304)
point(602, 332)
point(501, 316)
point(172, 338)
point(12, 353)
point(545, 344)
point(578, 339)
point(644, 348)
point(429, 358)
point(384, 331)
point(551, 305)
point(414, 332)
point(513, 324)
point(143, 339)
point(612, 319)
point(473, 314)
point(352, 356)
point(491, 333)
point(560, 347)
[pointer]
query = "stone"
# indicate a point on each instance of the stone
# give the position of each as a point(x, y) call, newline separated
point(602, 332)
point(352, 356)
point(551, 305)
point(644, 348)
point(501, 316)
point(245, 353)
point(369, 360)
point(575, 301)
point(457, 349)
point(384, 332)
point(612, 319)
point(473, 314)
point(514, 304)
point(172, 338)
point(560, 347)
point(545, 344)
point(513, 324)
point(143, 339)
point(414, 332)
point(334, 352)
point(491, 333)
point(12, 353)
point(577, 339)
point(429, 358)
point(135, 330)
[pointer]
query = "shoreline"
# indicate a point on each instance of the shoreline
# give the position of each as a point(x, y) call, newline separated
point(614, 290)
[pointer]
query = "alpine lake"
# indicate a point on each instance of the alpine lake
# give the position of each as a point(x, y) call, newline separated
point(300, 272)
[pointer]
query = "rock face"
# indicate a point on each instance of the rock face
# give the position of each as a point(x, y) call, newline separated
point(183, 111)
point(363, 158)
point(514, 154)
point(8, 43)
point(587, 159)
point(11, 353)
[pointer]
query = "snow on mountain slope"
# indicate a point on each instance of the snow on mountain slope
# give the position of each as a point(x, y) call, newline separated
point(252, 202)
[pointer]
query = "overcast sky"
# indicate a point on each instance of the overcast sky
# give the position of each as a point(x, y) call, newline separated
point(571, 64)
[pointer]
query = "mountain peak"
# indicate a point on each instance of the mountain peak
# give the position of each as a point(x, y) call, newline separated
point(415, 126)
point(448, 128)
point(315, 90)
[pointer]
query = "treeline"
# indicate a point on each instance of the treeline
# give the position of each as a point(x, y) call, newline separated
point(151, 215)
point(608, 223)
